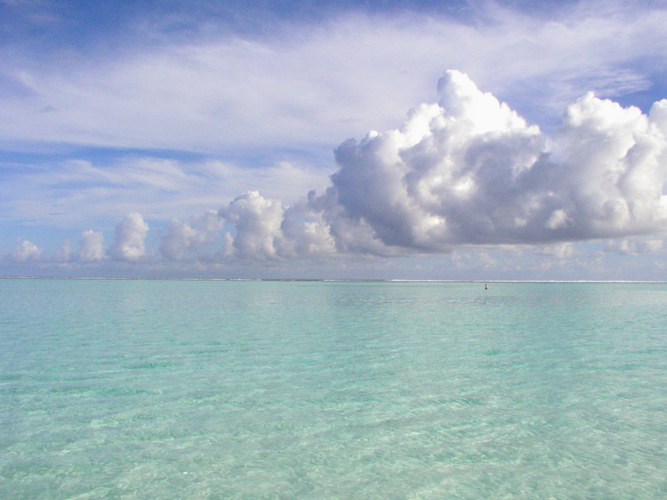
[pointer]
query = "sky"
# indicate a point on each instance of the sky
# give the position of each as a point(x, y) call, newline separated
point(481, 140)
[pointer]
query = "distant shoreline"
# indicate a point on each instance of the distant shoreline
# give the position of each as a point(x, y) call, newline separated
point(323, 280)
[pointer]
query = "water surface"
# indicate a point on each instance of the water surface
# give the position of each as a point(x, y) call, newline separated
point(225, 389)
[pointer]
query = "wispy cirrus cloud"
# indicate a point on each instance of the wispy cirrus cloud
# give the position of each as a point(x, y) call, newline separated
point(321, 83)
point(72, 193)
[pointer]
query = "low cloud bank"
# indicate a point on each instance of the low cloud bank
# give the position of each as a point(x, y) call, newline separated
point(465, 171)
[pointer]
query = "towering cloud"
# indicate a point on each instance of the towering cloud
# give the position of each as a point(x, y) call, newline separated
point(129, 239)
point(265, 229)
point(469, 170)
point(257, 221)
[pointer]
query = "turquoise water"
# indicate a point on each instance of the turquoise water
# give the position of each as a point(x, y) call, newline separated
point(217, 389)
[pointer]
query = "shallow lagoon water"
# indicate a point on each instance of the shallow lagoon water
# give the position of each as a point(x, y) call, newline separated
point(234, 389)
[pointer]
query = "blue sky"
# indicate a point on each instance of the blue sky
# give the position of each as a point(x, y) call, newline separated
point(333, 140)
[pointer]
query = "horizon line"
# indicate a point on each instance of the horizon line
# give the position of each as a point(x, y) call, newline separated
point(327, 280)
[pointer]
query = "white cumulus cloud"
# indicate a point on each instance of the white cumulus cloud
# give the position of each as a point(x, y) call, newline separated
point(91, 246)
point(469, 170)
point(129, 239)
point(465, 171)
point(185, 237)
point(265, 229)
point(26, 251)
